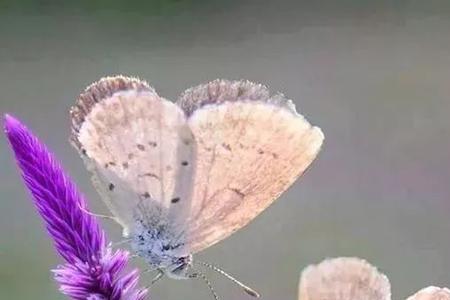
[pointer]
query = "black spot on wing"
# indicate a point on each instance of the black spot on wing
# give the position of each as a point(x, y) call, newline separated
point(140, 147)
point(111, 187)
point(110, 164)
point(175, 200)
point(226, 146)
point(238, 192)
point(149, 174)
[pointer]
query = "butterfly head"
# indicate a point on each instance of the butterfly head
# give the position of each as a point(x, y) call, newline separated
point(179, 268)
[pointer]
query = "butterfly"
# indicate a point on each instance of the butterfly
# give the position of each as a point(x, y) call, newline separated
point(180, 177)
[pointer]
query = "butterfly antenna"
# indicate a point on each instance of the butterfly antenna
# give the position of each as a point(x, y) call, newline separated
point(246, 289)
point(206, 280)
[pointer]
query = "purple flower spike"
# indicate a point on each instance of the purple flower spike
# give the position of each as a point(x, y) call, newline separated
point(92, 271)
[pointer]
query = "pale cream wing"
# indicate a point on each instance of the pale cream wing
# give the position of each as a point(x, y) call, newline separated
point(136, 144)
point(250, 148)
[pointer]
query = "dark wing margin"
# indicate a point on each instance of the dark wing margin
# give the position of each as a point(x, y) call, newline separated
point(104, 88)
point(223, 90)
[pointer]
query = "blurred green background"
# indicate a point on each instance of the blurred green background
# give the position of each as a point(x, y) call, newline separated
point(374, 75)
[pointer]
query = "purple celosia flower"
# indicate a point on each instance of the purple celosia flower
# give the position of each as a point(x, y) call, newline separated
point(92, 270)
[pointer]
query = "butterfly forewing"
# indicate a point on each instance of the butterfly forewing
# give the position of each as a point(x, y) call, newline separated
point(136, 145)
point(251, 147)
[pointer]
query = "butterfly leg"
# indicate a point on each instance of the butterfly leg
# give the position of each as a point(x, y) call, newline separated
point(96, 215)
point(157, 277)
point(113, 245)
point(150, 270)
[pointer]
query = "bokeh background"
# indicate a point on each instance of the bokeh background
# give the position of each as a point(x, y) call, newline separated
point(374, 75)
